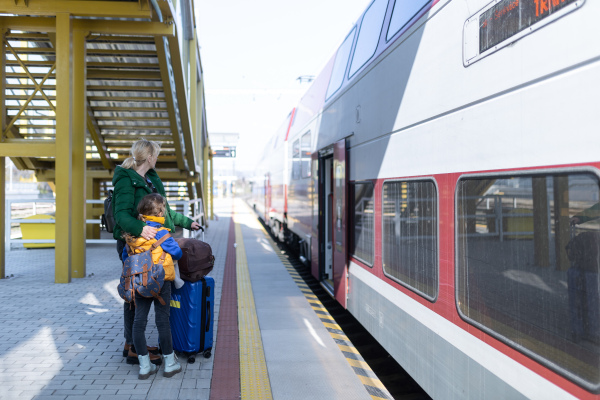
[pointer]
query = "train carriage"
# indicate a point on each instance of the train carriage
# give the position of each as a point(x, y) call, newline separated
point(441, 179)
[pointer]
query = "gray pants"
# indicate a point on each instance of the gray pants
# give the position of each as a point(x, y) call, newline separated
point(142, 308)
point(128, 309)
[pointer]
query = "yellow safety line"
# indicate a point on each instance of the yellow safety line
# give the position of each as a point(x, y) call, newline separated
point(254, 377)
point(365, 374)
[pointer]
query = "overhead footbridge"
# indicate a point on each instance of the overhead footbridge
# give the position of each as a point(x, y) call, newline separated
point(82, 80)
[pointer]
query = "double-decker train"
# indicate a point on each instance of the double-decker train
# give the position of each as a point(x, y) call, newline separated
point(440, 178)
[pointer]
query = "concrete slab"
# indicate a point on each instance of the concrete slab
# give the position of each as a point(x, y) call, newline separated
point(302, 358)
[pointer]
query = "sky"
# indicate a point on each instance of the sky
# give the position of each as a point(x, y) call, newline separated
point(252, 53)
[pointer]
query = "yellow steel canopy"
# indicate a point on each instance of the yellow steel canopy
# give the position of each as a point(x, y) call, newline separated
point(83, 80)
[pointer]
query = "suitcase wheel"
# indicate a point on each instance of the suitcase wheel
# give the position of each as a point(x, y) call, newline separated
point(207, 354)
point(191, 359)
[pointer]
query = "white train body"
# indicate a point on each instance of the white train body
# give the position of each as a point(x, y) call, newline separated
point(433, 193)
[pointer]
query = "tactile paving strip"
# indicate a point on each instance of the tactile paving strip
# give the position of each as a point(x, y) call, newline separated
point(376, 389)
point(254, 377)
point(225, 382)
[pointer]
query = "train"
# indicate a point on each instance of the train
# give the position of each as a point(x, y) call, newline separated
point(441, 179)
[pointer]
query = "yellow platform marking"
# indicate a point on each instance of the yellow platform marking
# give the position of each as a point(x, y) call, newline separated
point(325, 316)
point(374, 382)
point(332, 326)
point(370, 381)
point(358, 364)
point(348, 349)
point(338, 336)
point(254, 377)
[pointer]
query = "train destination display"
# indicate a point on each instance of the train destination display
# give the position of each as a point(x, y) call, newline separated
point(509, 17)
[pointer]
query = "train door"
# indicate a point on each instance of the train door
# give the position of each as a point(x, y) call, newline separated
point(340, 260)
point(267, 197)
point(315, 242)
point(332, 220)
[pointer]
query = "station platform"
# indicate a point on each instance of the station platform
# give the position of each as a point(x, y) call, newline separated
point(272, 338)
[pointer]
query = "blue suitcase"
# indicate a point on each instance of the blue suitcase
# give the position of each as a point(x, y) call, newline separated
point(192, 311)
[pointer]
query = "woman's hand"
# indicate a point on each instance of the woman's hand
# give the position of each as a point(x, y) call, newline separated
point(195, 226)
point(149, 232)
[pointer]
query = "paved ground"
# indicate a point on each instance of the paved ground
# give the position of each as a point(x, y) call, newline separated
point(64, 341)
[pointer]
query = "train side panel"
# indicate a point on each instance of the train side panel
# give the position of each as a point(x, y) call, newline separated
point(416, 114)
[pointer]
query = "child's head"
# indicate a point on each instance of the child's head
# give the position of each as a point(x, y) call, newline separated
point(152, 204)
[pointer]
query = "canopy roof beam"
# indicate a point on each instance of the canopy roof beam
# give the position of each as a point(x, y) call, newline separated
point(92, 26)
point(107, 9)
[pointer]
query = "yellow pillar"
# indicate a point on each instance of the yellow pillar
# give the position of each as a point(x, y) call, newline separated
point(205, 179)
point(64, 148)
point(2, 214)
point(561, 221)
point(2, 159)
point(78, 209)
point(193, 94)
point(210, 188)
point(541, 234)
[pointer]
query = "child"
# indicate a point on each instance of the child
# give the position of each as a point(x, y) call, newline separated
point(151, 209)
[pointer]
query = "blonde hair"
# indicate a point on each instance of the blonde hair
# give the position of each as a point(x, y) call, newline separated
point(140, 151)
point(152, 204)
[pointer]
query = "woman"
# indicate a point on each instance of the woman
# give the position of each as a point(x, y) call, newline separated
point(133, 180)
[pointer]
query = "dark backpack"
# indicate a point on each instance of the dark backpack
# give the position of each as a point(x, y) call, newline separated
point(108, 219)
point(141, 275)
point(196, 261)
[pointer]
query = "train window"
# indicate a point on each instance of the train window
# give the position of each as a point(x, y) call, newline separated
point(528, 258)
point(339, 65)
point(305, 154)
point(368, 36)
point(362, 235)
point(410, 235)
point(402, 13)
point(296, 159)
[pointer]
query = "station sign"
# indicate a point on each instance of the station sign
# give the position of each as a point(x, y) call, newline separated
point(502, 22)
point(225, 151)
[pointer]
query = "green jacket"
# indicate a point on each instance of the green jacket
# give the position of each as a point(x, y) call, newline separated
point(589, 214)
point(129, 188)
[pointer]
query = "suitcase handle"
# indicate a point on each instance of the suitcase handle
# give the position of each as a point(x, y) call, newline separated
point(196, 233)
point(208, 316)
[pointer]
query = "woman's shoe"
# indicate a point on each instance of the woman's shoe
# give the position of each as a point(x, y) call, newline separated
point(132, 357)
point(172, 367)
point(126, 349)
point(146, 367)
point(153, 350)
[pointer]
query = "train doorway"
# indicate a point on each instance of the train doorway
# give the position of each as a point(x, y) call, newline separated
point(327, 224)
point(332, 220)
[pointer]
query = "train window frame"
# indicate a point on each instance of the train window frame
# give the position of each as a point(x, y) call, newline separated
point(471, 30)
point(431, 179)
point(457, 271)
point(351, 70)
point(348, 40)
point(352, 218)
point(407, 23)
point(296, 160)
point(305, 157)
